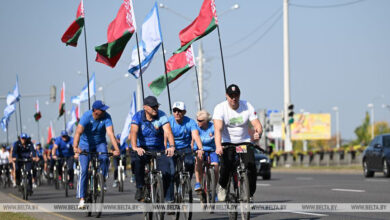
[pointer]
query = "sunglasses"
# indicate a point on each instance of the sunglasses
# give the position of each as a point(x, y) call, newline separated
point(154, 107)
point(200, 120)
point(177, 110)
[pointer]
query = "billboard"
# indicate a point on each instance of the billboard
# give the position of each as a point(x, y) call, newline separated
point(311, 127)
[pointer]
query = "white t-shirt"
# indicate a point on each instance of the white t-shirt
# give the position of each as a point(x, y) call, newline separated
point(4, 157)
point(235, 122)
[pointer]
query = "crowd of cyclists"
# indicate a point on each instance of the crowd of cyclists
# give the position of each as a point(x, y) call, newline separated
point(234, 122)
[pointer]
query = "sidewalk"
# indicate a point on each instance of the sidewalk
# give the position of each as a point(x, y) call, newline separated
point(355, 169)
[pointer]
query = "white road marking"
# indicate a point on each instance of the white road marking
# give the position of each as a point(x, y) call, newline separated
point(263, 184)
point(349, 190)
point(310, 213)
point(196, 199)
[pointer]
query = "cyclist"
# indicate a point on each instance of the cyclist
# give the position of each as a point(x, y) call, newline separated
point(123, 149)
point(206, 132)
point(40, 162)
point(231, 122)
point(90, 136)
point(4, 160)
point(64, 146)
point(51, 157)
point(13, 174)
point(148, 128)
point(184, 130)
point(24, 149)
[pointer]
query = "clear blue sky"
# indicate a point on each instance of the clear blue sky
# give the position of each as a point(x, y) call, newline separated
point(339, 57)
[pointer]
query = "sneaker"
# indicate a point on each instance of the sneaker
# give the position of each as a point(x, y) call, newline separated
point(197, 187)
point(34, 186)
point(14, 184)
point(132, 179)
point(221, 193)
point(251, 199)
point(139, 195)
point(51, 175)
point(115, 184)
point(81, 204)
point(105, 187)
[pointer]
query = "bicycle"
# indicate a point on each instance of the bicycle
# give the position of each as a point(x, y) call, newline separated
point(5, 175)
point(209, 184)
point(95, 184)
point(153, 188)
point(38, 172)
point(56, 174)
point(65, 174)
point(23, 187)
point(238, 185)
point(183, 190)
point(121, 173)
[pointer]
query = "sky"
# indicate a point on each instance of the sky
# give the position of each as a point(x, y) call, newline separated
point(338, 57)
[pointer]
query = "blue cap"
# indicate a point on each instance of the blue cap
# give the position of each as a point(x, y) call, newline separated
point(118, 136)
point(98, 104)
point(24, 135)
point(64, 133)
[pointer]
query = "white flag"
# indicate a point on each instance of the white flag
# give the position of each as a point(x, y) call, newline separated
point(151, 40)
point(127, 125)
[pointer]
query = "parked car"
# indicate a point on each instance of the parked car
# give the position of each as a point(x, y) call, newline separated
point(376, 157)
point(263, 165)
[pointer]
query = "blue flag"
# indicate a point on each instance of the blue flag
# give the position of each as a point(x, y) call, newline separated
point(127, 125)
point(84, 92)
point(151, 40)
point(9, 109)
point(15, 95)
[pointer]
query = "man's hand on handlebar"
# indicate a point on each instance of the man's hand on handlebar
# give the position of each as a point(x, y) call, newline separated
point(139, 151)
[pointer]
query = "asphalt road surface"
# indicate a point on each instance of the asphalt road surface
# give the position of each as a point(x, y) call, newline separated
point(284, 187)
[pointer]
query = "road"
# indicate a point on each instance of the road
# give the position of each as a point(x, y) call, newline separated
point(284, 187)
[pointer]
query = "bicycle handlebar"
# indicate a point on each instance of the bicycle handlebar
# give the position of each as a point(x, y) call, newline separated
point(95, 153)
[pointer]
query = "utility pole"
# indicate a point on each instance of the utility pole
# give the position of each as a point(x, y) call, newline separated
point(286, 62)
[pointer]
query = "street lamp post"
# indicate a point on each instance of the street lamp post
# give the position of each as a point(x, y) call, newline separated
point(371, 105)
point(336, 109)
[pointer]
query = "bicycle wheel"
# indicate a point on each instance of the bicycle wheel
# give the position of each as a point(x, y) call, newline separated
point(186, 198)
point(39, 177)
point(244, 196)
point(25, 187)
point(231, 198)
point(89, 193)
point(4, 180)
point(120, 179)
point(158, 195)
point(65, 180)
point(99, 194)
point(56, 182)
point(146, 189)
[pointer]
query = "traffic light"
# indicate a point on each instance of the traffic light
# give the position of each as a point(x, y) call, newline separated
point(290, 113)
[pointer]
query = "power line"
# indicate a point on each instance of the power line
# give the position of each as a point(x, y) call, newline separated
point(327, 6)
point(257, 39)
point(255, 29)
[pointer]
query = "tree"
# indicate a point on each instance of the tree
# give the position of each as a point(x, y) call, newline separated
point(362, 132)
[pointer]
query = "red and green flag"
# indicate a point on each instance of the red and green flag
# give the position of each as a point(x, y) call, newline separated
point(119, 33)
point(50, 133)
point(61, 110)
point(206, 22)
point(176, 66)
point(73, 32)
point(37, 114)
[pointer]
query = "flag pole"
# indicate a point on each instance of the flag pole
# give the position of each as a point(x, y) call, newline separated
point(86, 61)
point(197, 83)
point(64, 116)
point(20, 118)
point(16, 122)
point(139, 66)
point(223, 63)
point(39, 136)
point(166, 77)
point(7, 136)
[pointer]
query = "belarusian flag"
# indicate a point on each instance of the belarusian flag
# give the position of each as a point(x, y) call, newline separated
point(73, 32)
point(119, 33)
point(50, 133)
point(177, 65)
point(37, 114)
point(61, 110)
point(202, 25)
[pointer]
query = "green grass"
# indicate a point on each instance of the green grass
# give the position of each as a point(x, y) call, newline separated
point(15, 216)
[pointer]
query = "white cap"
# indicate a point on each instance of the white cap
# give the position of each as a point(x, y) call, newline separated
point(179, 105)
